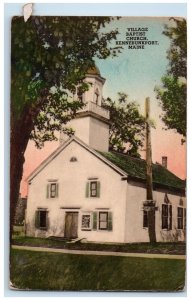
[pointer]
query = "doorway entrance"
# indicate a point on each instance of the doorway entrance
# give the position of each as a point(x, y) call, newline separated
point(71, 225)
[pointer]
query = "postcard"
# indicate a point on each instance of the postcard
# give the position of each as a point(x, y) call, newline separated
point(98, 142)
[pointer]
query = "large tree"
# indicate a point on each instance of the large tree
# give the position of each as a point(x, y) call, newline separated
point(127, 125)
point(49, 58)
point(172, 93)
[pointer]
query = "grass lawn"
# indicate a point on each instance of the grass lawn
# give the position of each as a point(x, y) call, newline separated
point(55, 271)
point(164, 248)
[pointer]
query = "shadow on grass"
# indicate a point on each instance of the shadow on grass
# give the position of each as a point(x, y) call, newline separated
point(60, 243)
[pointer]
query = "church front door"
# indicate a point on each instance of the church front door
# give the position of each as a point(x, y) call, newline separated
point(71, 225)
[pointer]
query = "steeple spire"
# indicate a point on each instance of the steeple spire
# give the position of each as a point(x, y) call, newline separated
point(91, 124)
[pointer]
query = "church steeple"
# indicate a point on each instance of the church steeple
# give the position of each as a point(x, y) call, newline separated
point(96, 82)
point(91, 124)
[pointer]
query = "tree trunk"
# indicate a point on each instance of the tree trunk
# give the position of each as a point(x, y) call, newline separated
point(16, 171)
point(21, 128)
point(20, 134)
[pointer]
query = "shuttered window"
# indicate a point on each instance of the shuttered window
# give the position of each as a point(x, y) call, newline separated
point(105, 221)
point(164, 216)
point(180, 218)
point(52, 190)
point(41, 219)
point(92, 189)
point(97, 220)
point(167, 216)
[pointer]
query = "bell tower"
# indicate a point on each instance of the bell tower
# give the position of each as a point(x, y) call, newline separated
point(91, 124)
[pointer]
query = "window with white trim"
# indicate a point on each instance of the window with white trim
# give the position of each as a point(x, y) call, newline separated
point(52, 190)
point(93, 189)
point(97, 220)
point(103, 220)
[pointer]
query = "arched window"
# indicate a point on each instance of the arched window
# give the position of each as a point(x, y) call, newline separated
point(96, 96)
point(80, 95)
point(166, 214)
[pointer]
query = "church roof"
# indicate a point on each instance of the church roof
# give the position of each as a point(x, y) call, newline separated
point(124, 165)
point(136, 168)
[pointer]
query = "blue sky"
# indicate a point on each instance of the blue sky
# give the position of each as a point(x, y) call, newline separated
point(136, 72)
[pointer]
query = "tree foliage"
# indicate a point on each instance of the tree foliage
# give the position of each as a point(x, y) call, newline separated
point(50, 56)
point(127, 125)
point(173, 92)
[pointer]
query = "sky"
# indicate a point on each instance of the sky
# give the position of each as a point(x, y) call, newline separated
point(135, 72)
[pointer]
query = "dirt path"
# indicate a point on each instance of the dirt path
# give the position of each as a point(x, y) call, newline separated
point(104, 253)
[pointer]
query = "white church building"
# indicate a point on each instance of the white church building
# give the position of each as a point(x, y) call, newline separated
point(84, 191)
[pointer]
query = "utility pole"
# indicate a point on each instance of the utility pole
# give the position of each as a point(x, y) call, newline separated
point(149, 203)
